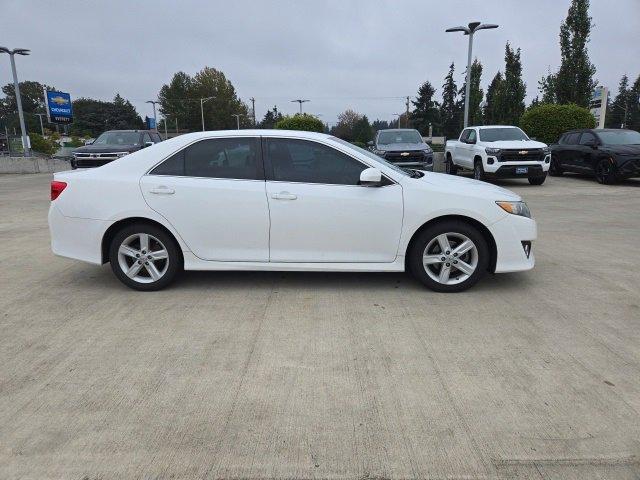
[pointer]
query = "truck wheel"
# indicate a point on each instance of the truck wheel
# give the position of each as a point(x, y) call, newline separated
point(449, 256)
point(537, 180)
point(449, 166)
point(478, 171)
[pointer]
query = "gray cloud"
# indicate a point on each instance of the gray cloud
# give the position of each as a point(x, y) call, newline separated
point(358, 54)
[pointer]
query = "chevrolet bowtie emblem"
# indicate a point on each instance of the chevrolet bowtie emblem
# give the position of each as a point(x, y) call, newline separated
point(523, 152)
point(404, 154)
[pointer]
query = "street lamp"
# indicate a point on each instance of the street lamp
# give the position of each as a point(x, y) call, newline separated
point(399, 115)
point(300, 101)
point(470, 30)
point(202, 100)
point(12, 53)
point(153, 102)
point(237, 115)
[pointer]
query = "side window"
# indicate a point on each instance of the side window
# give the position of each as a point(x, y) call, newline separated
point(155, 138)
point(310, 162)
point(236, 158)
point(174, 166)
point(471, 138)
point(572, 138)
point(465, 135)
point(146, 138)
point(587, 138)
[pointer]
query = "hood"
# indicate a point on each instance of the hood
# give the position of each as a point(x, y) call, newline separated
point(403, 147)
point(106, 148)
point(622, 149)
point(469, 187)
point(509, 144)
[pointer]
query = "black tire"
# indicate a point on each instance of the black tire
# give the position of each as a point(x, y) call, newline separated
point(450, 167)
point(478, 171)
point(430, 234)
point(555, 170)
point(537, 180)
point(605, 172)
point(157, 239)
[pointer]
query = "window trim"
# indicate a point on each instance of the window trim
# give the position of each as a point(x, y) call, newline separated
point(259, 168)
point(268, 167)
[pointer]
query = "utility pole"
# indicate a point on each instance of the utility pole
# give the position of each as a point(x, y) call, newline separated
point(470, 30)
point(177, 132)
point(253, 110)
point(202, 100)
point(155, 120)
point(12, 53)
point(237, 115)
point(407, 119)
point(166, 134)
point(40, 115)
point(399, 115)
point(300, 101)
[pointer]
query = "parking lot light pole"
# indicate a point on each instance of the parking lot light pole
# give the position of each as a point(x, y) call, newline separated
point(155, 119)
point(470, 30)
point(300, 101)
point(237, 115)
point(40, 115)
point(202, 100)
point(12, 53)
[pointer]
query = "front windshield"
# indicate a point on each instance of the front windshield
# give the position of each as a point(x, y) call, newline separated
point(499, 134)
point(398, 136)
point(118, 138)
point(371, 156)
point(620, 137)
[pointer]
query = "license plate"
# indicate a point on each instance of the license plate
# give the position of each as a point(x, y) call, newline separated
point(521, 170)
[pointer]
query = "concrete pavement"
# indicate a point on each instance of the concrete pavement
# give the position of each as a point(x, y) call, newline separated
point(298, 375)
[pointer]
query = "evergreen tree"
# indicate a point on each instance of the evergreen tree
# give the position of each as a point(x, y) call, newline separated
point(495, 108)
point(476, 95)
point(514, 88)
point(362, 131)
point(618, 110)
point(574, 81)
point(449, 109)
point(633, 111)
point(547, 88)
point(426, 109)
point(270, 119)
point(379, 125)
point(122, 115)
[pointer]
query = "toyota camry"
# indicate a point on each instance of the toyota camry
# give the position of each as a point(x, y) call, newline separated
point(284, 200)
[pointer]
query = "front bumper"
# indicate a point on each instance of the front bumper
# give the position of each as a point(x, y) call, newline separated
point(509, 234)
point(495, 167)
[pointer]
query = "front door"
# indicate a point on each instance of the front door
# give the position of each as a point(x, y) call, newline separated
point(318, 211)
point(213, 193)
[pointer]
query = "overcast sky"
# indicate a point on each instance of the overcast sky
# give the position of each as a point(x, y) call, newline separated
point(339, 54)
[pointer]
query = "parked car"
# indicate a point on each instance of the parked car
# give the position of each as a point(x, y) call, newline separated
point(404, 148)
point(284, 200)
point(498, 151)
point(607, 154)
point(111, 145)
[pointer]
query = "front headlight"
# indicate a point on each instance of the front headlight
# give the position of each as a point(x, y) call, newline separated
point(515, 208)
point(121, 154)
point(380, 152)
point(427, 150)
point(546, 151)
point(492, 151)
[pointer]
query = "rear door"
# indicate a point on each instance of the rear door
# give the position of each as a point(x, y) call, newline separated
point(213, 193)
point(320, 213)
point(569, 153)
point(586, 153)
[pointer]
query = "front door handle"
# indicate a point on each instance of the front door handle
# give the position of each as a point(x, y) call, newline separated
point(162, 190)
point(284, 196)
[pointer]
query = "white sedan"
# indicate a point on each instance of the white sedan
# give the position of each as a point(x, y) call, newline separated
point(284, 200)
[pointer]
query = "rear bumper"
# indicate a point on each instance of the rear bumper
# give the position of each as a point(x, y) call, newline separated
point(509, 233)
point(78, 238)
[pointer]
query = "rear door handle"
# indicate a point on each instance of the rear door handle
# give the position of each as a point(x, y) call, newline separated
point(284, 196)
point(162, 190)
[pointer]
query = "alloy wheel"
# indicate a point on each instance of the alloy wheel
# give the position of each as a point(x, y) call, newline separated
point(603, 171)
point(143, 258)
point(450, 258)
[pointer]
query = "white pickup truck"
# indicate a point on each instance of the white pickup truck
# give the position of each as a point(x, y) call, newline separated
point(498, 151)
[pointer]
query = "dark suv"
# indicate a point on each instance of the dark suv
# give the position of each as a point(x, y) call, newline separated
point(112, 145)
point(403, 147)
point(608, 154)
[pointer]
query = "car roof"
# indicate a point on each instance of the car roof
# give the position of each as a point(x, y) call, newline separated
point(254, 133)
point(493, 126)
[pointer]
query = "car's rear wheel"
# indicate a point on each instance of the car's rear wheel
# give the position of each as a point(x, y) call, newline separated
point(605, 172)
point(449, 166)
point(478, 171)
point(537, 180)
point(449, 256)
point(144, 257)
point(554, 167)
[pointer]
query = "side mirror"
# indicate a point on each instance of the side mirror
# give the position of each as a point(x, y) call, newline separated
point(148, 144)
point(370, 143)
point(88, 142)
point(533, 138)
point(370, 177)
point(591, 143)
point(472, 142)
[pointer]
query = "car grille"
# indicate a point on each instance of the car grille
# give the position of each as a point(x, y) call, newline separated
point(522, 155)
point(87, 160)
point(397, 157)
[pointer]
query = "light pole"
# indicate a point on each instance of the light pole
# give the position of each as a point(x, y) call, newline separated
point(40, 115)
point(155, 120)
point(202, 100)
point(300, 101)
point(399, 115)
point(237, 115)
point(470, 30)
point(12, 53)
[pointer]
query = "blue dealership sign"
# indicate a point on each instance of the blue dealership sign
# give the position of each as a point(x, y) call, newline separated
point(59, 109)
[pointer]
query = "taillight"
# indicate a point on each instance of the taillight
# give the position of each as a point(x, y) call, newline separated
point(57, 188)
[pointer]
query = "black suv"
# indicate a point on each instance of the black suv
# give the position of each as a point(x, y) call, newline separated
point(608, 154)
point(112, 145)
point(403, 147)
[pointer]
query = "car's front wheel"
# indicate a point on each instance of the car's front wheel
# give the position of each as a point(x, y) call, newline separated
point(449, 166)
point(605, 172)
point(144, 257)
point(478, 171)
point(537, 180)
point(449, 256)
